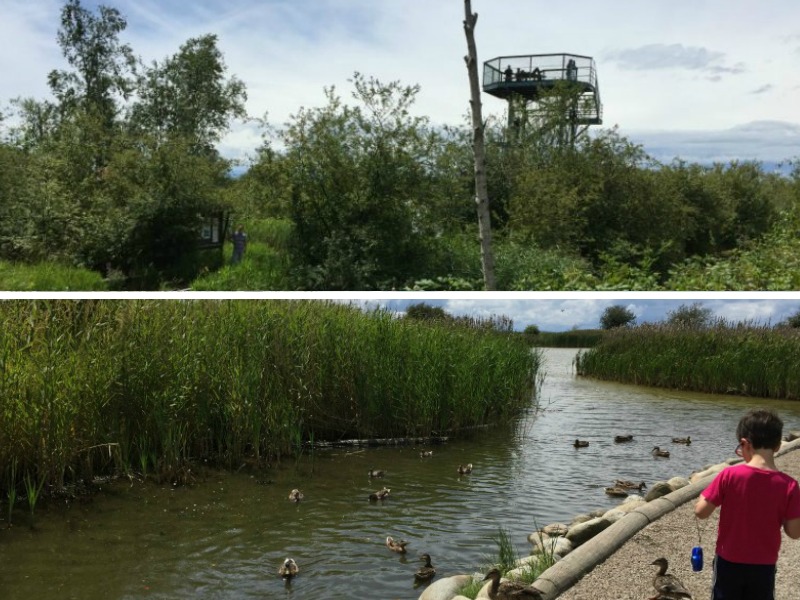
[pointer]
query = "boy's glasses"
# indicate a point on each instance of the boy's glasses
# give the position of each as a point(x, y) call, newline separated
point(738, 450)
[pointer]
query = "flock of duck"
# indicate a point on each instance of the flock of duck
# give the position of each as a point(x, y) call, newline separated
point(665, 584)
point(622, 487)
point(425, 573)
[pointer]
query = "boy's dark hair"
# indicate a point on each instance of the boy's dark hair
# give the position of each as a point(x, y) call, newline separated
point(762, 427)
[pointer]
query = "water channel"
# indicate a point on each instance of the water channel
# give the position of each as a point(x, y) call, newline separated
point(226, 536)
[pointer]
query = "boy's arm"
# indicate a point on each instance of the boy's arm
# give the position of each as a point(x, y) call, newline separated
point(704, 508)
point(792, 528)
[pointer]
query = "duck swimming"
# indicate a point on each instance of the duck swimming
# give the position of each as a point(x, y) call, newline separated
point(667, 586)
point(656, 451)
point(288, 569)
point(398, 546)
point(629, 485)
point(426, 571)
point(375, 473)
point(679, 440)
point(380, 494)
point(465, 470)
point(580, 444)
point(620, 439)
point(295, 495)
point(510, 590)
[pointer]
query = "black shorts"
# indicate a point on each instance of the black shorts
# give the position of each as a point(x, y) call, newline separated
point(739, 581)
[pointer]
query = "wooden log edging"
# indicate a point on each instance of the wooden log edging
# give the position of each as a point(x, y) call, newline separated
point(374, 442)
point(570, 569)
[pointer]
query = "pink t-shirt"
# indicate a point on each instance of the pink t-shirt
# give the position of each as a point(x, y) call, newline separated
point(753, 503)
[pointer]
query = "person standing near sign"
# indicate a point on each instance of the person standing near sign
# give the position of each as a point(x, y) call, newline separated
point(239, 239)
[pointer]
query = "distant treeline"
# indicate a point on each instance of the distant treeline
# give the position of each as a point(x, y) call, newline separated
point(723, 358)
point(152, 387)
point(576, 338)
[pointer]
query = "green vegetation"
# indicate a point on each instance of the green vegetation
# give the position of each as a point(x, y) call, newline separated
point(266, 264)
point(508, 559)
point(117, 170)
point(576, 338)
point(617, 316)
point(719, 357)
point(49, 276)
point(101, 387)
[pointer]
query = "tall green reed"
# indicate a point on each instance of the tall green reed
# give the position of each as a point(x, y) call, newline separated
point(172, 383)
point(726, 358)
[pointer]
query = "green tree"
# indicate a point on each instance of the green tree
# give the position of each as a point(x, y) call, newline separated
point(617, 316)
point(189, 96)
point(426, 312)
point(793, 320)
point(102, 66)
point(532, 330)
point(358, 178)
point(694, 316)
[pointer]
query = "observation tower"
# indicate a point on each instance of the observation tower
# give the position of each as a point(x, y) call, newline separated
point(559, 85)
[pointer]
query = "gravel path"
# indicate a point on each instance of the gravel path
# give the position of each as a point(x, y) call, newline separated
point(628, 574)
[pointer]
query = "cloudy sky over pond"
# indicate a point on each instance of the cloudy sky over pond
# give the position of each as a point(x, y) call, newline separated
point(583, 311)
point(711, 80)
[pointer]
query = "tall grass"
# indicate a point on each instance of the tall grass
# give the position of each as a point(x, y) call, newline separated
point(749, 359)
point(48, 276)
point(266, 264)
point(99, 386)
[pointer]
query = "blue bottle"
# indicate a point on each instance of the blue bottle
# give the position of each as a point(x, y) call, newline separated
point(697, 558)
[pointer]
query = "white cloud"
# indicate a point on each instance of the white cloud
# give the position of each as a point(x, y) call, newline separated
point(673, 56)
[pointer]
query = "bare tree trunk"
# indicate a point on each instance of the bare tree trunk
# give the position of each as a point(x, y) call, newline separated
point(481, 191)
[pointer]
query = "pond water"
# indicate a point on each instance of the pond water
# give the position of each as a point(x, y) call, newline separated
point(226, 537)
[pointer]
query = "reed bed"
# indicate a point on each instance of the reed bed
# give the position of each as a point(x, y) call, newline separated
point(98, 387)
point(726, 358)
point(579, 338)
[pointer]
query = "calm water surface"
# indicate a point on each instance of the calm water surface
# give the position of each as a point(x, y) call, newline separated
point(226, 537)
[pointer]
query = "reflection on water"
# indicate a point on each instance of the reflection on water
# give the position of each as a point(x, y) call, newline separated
point(226, 537)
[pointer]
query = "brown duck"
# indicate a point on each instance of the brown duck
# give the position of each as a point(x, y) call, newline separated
point(580, 444)
point(295, 495)
point(288, 569)
point(464, 469)
point(510, 590)
point(380, 494)
point(426, 571)
point(398, 546)
point(667, 586)
point(629, 485)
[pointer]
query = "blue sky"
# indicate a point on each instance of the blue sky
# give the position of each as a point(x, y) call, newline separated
point(709, 80)
point(583, 312)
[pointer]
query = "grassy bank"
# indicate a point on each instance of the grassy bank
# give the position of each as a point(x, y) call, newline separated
point(48, 276)
point(96, 387)
point(266, 264)
point(725, 359)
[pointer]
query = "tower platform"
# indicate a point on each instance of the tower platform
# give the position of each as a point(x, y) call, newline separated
point(531, 76)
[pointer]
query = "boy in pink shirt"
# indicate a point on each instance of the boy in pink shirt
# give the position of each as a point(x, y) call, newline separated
point(756, 500)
